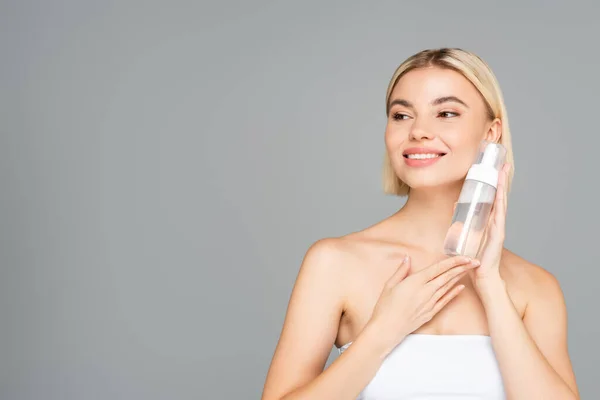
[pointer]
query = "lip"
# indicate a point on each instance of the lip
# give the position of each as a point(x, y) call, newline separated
point(422, 150)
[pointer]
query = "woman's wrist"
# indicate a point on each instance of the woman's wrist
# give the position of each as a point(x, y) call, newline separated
point(490, 288)
point(378, 340)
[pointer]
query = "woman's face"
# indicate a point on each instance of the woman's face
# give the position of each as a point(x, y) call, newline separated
point(436, 123)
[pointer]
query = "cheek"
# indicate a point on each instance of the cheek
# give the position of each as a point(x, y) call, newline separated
point(393, 137)
point(461, 144)
point(465, 140)
point(464, 151)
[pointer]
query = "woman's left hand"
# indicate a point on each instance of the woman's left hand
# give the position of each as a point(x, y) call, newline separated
point(489, 256)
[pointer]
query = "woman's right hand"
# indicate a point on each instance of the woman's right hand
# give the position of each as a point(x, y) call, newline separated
point(407, 302)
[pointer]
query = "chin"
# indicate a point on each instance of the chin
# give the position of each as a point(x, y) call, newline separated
point(433, 182)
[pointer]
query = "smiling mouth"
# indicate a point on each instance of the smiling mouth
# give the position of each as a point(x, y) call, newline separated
point(423, 156)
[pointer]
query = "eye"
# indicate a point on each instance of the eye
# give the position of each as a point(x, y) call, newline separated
point(399, 116)
point(448, 114)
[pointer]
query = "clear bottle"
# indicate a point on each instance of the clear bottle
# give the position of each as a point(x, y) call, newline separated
point(472, 212)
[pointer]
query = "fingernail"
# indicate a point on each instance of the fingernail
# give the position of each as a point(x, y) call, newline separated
point(475, 263)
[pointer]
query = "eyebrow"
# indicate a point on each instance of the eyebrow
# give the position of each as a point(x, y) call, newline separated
point(438, 101)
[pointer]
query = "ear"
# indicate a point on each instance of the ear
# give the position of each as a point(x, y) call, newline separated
point(494, 131)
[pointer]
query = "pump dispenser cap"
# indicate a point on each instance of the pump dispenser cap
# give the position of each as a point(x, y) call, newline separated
point(489, 161)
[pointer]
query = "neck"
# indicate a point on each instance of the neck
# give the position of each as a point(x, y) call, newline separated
point(427, 214)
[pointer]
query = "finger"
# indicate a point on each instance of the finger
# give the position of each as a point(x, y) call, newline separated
point(439, 268)
point(401, 272)
point(443, 279)
point(500, 203)
point(499, 186)
point(447, 298)
point(498, 207)
point(501, 198)
point(505, 184)
point(448, 285)
point(484, 242)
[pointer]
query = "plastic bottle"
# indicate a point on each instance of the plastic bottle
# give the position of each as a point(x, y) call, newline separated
point(472, 212)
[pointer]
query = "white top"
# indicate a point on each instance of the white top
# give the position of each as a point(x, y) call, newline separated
point(437, 367)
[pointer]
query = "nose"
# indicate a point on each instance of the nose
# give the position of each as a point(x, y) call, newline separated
point(419, 132)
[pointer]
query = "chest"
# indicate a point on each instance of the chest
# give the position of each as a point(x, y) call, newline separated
point(465, 314)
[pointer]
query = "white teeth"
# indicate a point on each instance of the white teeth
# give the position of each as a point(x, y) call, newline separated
point(422, 156)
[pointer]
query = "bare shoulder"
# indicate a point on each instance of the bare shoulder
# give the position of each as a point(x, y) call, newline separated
point(325, 261)
point(311, 323)
point(348, 258)
point(529, 281)
point(336, 255)
point(327, 254)
point(352, 246)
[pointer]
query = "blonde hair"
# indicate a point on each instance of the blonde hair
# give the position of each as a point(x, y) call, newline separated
point(478, 73)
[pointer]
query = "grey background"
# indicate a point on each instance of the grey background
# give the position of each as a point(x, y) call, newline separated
point(165, 166)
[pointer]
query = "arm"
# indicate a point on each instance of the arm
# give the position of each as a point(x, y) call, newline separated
point(532, 353)
point(309, 332)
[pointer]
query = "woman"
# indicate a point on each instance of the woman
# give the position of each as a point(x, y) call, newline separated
point(409, 322)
